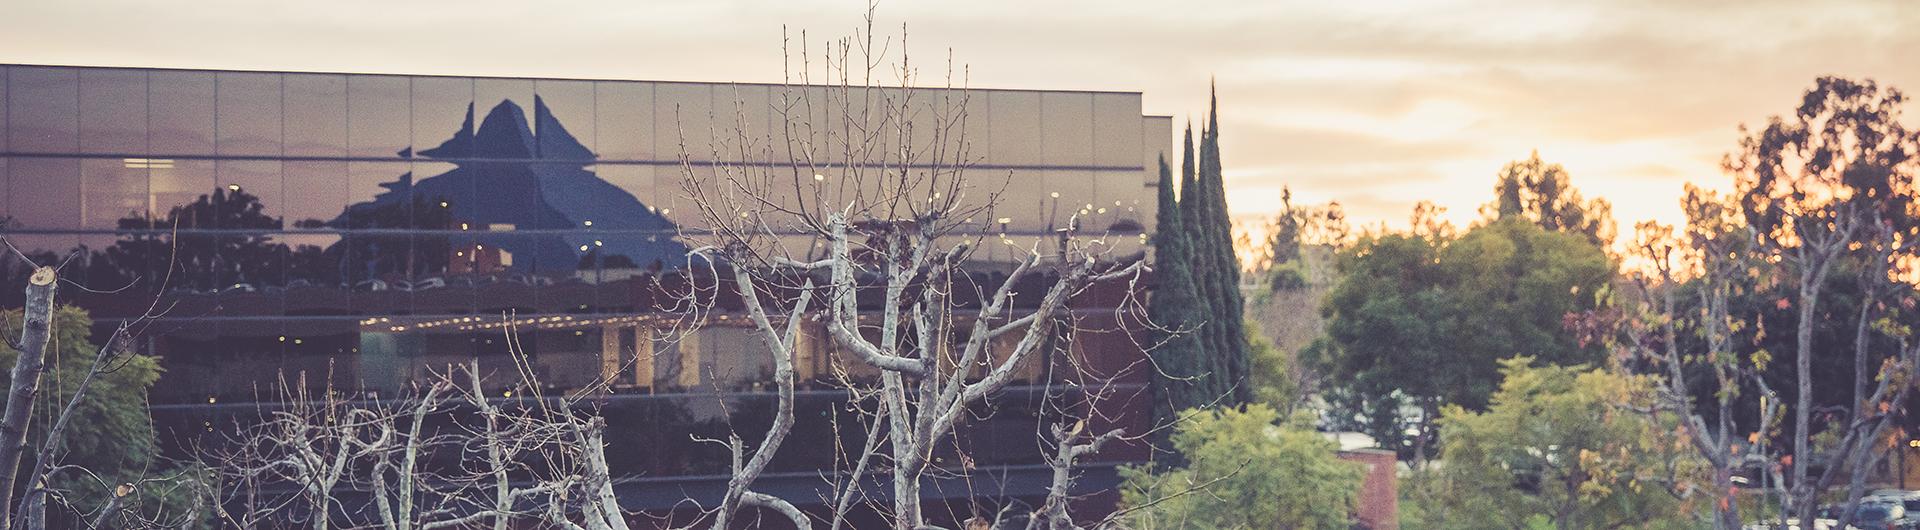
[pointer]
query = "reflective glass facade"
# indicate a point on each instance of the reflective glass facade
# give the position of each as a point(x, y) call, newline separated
point(373, 226)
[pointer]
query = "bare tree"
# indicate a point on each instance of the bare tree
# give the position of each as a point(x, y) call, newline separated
point(871, 208)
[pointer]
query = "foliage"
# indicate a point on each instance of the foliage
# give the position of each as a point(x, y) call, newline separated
point(1179, 353)
point(1557, 447)
point(110, 435)
point(1272, 372)
point(1543, 194)
point(1419, 322)
point(1252, 473)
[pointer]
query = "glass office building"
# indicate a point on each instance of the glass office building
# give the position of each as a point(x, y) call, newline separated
point(354, 231)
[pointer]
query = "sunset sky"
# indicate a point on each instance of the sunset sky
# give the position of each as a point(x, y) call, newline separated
point(1376, 105)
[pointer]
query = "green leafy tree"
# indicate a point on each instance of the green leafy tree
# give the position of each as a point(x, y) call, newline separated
point(1416, 323)
point(1544, 194)
point(1557, 449)
point(110, 440)
point(1246, 470)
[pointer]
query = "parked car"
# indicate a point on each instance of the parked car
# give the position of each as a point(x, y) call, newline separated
point(1879, 513)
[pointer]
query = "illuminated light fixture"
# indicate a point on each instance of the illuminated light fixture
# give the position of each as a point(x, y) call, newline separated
point(443, 204)
point(233, 187)
point(665, 211)
point(283, 338)
point(1004, 220)
point(463, 226)
point(817, 176)
point(583, 248)
point(1103, 210)
point(148, 163)
point(597, 243)
point(588, 223)
point(1055, 195)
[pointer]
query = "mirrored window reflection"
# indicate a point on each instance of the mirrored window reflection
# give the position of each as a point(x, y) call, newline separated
point(316, 115)
point(248, 113)
point(252, 274)
point(188, 271)
point(180, 113)
point(43, 108)
point(444, 195)
point(1121, 203)
point(4, 128)
point(193, 364)
point(1014, 127)
point(379, 116)
point(685, 116)
point(6, 188)
point(50, 192)
point(254, 194)
point(113, 111)
point(1066, 119)
point(380, 270)
point(443, 117)
point(443, 286)
point(379, 195)
point(1117, 129)
point(623, 120)
point(113, 194)
point(315, 285)
point(315, 192)
point(502, 268)
point(183, 193)
point(249, 354)
point(115, 286)
point(566, 129)
point(501, 108)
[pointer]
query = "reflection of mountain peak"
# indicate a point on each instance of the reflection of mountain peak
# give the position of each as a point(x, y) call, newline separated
point(529, 174)
point(507, 133)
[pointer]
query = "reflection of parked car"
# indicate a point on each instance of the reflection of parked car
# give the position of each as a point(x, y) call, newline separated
point(370, 285)
point(429, 283)
point(1881, 513)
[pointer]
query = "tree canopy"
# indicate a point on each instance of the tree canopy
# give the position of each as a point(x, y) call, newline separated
point(1415, 323)
point(1256, 472)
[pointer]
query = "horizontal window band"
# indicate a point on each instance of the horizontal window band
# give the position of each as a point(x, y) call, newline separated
point(150, 158)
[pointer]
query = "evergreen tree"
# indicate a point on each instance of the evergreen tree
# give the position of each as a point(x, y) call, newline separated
point(1228, 307)
point(1200, 258)
point(1176, 309)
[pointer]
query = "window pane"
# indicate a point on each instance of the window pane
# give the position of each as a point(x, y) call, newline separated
point(443, 117)
point(43, 106)
point(114, 193)
point(248, 116)
point(316, 109)
point(193, 361)
point(113, 111)
point(565, 128)
point(49, 192)
point(379, 195)
point(6, 212)
point(685, 111)
point(252, 275)
point(4, 128)
point(442, 286)
point(116, 287)
point(314, 282)
point(1014, 128)
point(624, 115)
point(505, 131)
point(182, 193)
point(444, 195)
point(253, 194)
point(187, 273)
point(377, 266)
point(313, 196)
point(180, 113)
point(1067, 128)
point(1116, 129)
point(501, 266)
point(379, 122)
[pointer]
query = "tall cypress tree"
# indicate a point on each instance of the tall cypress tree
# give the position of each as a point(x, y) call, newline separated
point(1176, 308)
point(1229, 309)
point(1194, 219)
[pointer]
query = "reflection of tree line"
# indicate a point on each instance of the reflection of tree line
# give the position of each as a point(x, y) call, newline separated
point(225, 240)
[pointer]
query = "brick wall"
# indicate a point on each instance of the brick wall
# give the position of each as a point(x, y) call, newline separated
point(1379, 506)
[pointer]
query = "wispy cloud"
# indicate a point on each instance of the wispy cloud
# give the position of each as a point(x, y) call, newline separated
point(1375, 104)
